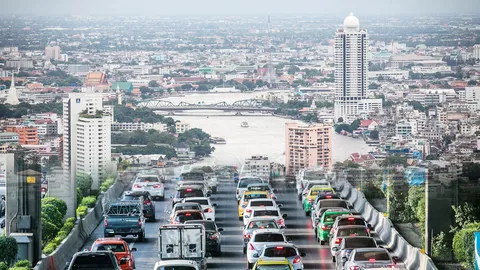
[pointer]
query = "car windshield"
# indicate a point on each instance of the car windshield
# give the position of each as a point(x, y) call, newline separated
point(258, 213)
point(200, 201)
point(192, 176)
point(189, 193)
point(330, 217)
point(280, 252)
point(245, 182)
point(333, 203)
point(147, 179)
point(259, 188)
point(124, 210)
point(94, 261)
point(352, 232)
point(187, 207)
point(261, 203)
point(209, 226)
point(351, 221)
point(188, 216)
point(130, 198)
point(112, 247)
point(371, 255)
point(359, 242)
point(273, 267)
point(247, 197)
point(176, 268)
point(263, 224)
point(269, 237)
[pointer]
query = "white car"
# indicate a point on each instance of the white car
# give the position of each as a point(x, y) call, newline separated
point(173, 264)
point(264, 211)
point(243, 185)
point(259, 239)
point(260, 203)
point(344, 231)
point(183, 206)
point(284, 250)
point(151, 183)
point(207, 206)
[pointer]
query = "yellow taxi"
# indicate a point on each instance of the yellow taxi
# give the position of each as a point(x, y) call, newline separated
point(312, 194)
point(247, 195)
point(273, 263)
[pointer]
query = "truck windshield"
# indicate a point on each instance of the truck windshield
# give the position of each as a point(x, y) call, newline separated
point(124, 210)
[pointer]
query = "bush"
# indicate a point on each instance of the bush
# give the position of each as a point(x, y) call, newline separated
point(79, 196)
point(48, 249)
point(89, 201)
point(82, 211)
point(84, 183)
point(49, 230)
point(52, 214)
point(57, 203)
point(3, 266)
point(19, 268)
point(23, 263)
point(463, 245)
point(106, 184)
point(9, 249)
point(440, 249)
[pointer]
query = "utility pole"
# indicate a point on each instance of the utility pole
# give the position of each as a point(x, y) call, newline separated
point(428, 233)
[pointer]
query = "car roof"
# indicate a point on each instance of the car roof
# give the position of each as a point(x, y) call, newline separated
point(351, 227)
point(199, 222)
point(195, 198)
point(267, 231)
point(319, 187)
point(263, 208)
point(350, 216)
point(179, 212)
point(185, 203)
point(275, 260)
point(261, 218)
point(195, 187)
point(175, 263)
point(110, 240)
point(336, 210)
point(255, 192)
point(371, 250)
point(88, 253)
point(261, 200)
point(281, 244)
point(258, 184)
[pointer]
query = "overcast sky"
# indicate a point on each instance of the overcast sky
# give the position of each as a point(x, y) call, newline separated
point(234, 7)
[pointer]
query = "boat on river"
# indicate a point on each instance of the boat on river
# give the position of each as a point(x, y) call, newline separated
point(244, 124)
point(217, 140)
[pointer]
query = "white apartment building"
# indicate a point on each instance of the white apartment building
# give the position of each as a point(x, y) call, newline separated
point(139, 126)
point(52, 52)
point(404, 129)
point(181, 127)
point(258, 166)
point(369, 105)
point(472, 93)
point(351, 68)
point(389, 74)
point(431, 69)
point(476, 51)
point(81, 139)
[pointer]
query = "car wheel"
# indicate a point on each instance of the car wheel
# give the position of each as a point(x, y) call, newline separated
point(316, 234)
point(240, 218)
point(333, 259)
point(249, 265)
point(141, 237)
point(244, 250)
point(307, 213)
point(153, 218)
point(322, 242)
point(299, 197)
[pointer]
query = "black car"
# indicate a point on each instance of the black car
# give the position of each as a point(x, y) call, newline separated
point(148, 204)
point(212, 232)
point(95, 260)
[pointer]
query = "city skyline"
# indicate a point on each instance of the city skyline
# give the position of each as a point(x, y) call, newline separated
point(217, 7)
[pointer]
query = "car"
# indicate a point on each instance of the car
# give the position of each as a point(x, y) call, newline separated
point(179, 217)
point(259, 239)
point(322, 205)
point(207, 206)
point(348, 230)
point(348, 244)
point(212, 181)
point(187, 192)
point(285, 250)
point(273, 264)
point(258, 223)
point(124, 218)
point(247, 195)
point(312, 194)
point(202, 184)
point(361, 258)
point(316, 217)
point(350, 220)
point(325, 224)
point(119, 247)
point(304, 186)
point(44, 188)
point(264, 211)
point(243, 185)
point(176, 264)
point(262, 187)
point(94, 260)
point(183, 206)
point(146, 198)
point(151, 183)
point(212, 233)
point(261, 202)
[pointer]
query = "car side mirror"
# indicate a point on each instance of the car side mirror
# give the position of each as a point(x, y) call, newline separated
point(208, 255)
point(344, 259)
point(214, 204)
point(279, 205)
point(284, 215)
point(255, 255)
point(289, 239)
point(134, 249)
point(369, 226)
point(303, 254)
point(220, 229)
point(335, 249)
point(395, 259)
point(208, 194)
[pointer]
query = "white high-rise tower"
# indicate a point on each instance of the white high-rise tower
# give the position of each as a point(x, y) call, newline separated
point(351, 67)
point(12, 97)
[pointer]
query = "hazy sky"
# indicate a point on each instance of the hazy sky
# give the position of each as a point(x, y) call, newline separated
point(233, 7)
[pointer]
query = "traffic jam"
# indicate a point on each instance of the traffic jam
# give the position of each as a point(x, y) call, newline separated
point(192, 238)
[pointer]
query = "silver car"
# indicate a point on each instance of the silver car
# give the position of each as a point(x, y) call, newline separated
point(284, 250)
point(259, 239)
point(361, 258)
point(348, 244)
point(151, 183)
point(257, 224)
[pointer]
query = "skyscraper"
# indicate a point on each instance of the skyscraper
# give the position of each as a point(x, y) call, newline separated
point(52, 52)
point(351, 67)
point(307, 146)
point(86, 142)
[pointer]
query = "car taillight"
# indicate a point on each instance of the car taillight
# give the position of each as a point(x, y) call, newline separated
point(280, 222)
point(297, 259)
point(338, 241)
point(136, 186)
point(140, 222)
point(157, 186)
point(214, 236)
point(189, 190)
point(351, 218)
point(251, 247)
point(248, 210)
point(272, 196)
point(148, 202)
point(43, 189)
point(247, 236)
point(188, 214)
point(368, 230)
point(328, 197)
point(209, 210)
point(354, 267)
point(391, 266)
point(324, 227)
point(105, 222)
point(310, 200)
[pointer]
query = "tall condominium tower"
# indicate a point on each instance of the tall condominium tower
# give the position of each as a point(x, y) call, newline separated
point(307, 146)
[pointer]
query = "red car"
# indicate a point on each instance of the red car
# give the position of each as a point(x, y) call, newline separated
point(120, 248)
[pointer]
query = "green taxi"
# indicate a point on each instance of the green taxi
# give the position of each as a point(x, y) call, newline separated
point(325, 224)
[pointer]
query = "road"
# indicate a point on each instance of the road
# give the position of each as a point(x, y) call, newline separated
point(298, 229)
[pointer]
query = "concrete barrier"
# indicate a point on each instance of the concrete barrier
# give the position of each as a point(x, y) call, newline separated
point(58, 259)
point(392, 240)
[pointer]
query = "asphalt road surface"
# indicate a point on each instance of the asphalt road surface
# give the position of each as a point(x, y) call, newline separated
point(298, 229)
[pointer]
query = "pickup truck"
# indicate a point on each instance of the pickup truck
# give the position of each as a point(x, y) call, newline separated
point(104, 260)
point(124, 218)
point(183, 242)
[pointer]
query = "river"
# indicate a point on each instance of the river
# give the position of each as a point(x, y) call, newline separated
point(264, 136)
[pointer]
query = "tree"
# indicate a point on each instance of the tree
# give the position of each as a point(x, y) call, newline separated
point(355, 124)
point(153, 83)
point(373, 86)
point(374, 134)
point(464, 245)
point(202, 87)
point(440, 248)
point(472, 82)
point(340, 120)
point(60, 205)
point(187, 87)
point(292, 69)
point(9, 248)
point(84, 183)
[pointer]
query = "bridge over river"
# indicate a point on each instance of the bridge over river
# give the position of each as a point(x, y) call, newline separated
point(249, 105)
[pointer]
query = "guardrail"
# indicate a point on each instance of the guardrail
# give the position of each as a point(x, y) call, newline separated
point(82, 230)
point(413, 258)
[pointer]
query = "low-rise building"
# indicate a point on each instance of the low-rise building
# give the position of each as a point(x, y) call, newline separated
point(161, 127)
point(181, 127)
